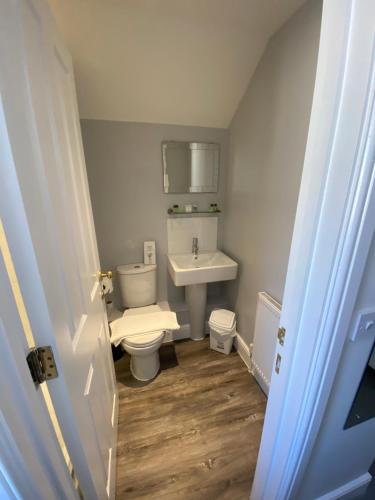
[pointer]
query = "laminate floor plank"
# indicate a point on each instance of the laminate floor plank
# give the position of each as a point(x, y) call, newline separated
point(192, 433)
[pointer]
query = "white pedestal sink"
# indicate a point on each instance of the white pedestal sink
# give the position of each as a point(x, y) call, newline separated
point(194, 272)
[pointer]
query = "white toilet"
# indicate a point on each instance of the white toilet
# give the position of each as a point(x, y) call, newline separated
point(138, 291)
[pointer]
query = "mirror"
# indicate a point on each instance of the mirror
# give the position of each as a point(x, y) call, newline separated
point(190, 167)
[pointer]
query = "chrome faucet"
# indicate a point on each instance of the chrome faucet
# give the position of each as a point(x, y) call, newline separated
point(195, 247)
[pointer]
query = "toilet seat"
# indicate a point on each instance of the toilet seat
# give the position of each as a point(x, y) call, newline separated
point(143, 339)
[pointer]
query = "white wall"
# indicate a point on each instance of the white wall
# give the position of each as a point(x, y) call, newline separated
point(267, 145)
point(124, 169)
point(340, 456)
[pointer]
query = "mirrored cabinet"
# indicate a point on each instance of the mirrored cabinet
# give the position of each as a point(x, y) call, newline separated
point(190, 167)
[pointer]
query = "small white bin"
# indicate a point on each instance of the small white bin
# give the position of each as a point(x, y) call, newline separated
point(222, 325)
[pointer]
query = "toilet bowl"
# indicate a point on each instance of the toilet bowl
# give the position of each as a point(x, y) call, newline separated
point(138, 292)
point(144, 352)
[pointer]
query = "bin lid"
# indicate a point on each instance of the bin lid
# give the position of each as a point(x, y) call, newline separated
point(223, 319)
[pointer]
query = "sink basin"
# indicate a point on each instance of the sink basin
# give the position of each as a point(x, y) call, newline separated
point(185, 269)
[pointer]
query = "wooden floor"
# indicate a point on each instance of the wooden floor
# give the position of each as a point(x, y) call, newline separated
point(192, 433)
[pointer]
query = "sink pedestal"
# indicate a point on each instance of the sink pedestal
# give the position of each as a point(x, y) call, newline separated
point(196, 298)
point(194, 272)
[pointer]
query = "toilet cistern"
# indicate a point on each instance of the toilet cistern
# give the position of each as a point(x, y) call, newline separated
point(195, 248)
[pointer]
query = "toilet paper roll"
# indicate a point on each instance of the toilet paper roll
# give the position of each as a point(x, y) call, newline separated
point(107, 285)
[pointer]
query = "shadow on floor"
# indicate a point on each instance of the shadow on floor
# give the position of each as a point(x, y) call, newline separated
point(168, 357)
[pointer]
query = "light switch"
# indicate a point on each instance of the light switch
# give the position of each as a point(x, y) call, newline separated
point(365, 325)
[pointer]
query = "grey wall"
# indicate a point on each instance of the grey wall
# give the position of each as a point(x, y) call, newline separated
point(340, 456)
point(267, 144)
point(125, 176)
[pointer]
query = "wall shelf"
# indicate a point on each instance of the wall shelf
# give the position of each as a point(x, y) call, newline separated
point(196, 213)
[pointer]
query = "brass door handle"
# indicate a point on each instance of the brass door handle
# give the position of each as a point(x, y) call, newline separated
point(107, 274)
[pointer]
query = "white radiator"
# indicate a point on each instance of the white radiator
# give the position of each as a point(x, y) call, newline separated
point(267, 320)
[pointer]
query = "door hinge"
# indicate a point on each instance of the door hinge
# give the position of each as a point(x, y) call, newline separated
point(42, 364)
point(281, 335)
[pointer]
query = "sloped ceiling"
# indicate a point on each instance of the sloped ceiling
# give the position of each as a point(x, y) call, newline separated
point(184, 62)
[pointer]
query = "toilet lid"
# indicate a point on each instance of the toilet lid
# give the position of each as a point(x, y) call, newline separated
point(143, 339)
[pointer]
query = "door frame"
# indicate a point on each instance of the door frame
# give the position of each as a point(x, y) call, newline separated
point(299, 395)
point(332, 235)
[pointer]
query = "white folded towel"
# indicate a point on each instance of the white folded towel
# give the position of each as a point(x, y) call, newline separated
point(136, 324)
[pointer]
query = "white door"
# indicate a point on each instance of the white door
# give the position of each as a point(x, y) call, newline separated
point(47, 217)
point(31, 463)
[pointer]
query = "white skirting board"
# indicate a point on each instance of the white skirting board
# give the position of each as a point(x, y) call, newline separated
point(346, 491)
point(182, 333)
point(243, 350)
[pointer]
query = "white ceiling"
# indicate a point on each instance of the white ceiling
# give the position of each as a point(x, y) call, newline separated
point(184, 62)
